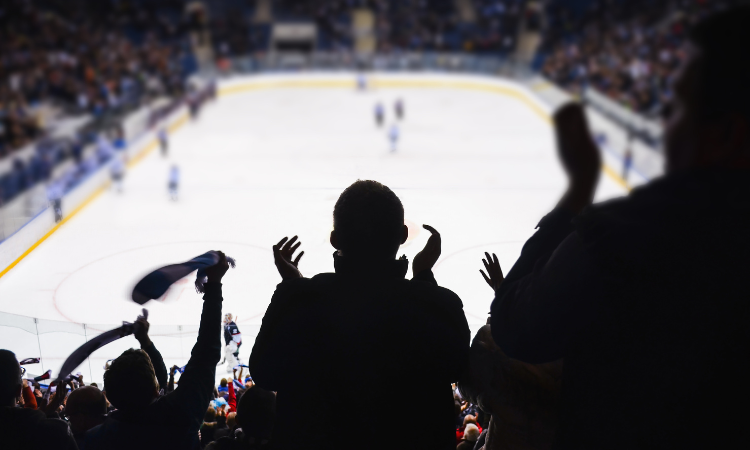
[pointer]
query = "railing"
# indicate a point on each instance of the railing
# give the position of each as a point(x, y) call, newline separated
point(391, 62)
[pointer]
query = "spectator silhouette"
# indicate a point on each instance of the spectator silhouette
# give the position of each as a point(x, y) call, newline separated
point(341, 343)
point(26, 428)
point(645, 297)
point(256, 415)
point(143, 419)
point(85, 408)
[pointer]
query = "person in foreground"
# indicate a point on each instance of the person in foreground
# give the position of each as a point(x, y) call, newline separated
point(353, 343)
point(144, 420)
point(26, 428)
point(645, 297)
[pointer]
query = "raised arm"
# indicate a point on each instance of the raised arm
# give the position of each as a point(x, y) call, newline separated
point(197, 382)
point(540, 301)
point(141, 334)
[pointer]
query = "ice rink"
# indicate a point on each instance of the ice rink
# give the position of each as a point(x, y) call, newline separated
point(260, 165)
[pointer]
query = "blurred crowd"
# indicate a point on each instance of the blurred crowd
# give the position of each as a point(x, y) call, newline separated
point(418, 25)
point(79, 58)
point(629, 50)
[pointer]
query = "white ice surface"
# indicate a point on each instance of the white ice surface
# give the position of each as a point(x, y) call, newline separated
point(262, 165)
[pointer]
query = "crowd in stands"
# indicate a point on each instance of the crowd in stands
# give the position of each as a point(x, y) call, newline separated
point(416, 25)
point(629, 50)
point(81, 58)
point(621, 325)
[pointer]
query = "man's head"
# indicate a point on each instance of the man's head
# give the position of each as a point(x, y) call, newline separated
point(471, 432)
point(223, 382)
point(709, 119)
point(256, 412)
point(131, 382)
point(210, 415)
point(10, 378)
point(231, 422)
point(86, 408)
point(228, 318)
point(368, 222)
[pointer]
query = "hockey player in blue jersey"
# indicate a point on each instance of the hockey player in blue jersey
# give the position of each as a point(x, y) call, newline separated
point(232, 334)
point(379, 114)
point(393, 135)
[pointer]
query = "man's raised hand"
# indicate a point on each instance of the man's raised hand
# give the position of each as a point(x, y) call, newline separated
point(494, 276)
point(579, 156)
point(283, 252)
point(140, 330)
point(217, 271)
point(426, 259)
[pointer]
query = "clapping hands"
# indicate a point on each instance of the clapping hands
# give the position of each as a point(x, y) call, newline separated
point(283, 252)
point(494, 276)
point(426, 259)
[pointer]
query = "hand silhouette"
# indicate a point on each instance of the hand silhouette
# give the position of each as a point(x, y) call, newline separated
point(426, 259)
point(579, 156)
point(494, 276)
point(283, 252)
point(217, 271)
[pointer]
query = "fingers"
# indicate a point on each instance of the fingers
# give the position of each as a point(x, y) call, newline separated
point(431, 230)
point(485, 277)
point(296, 261)
point(279, 244)
point(289, 244)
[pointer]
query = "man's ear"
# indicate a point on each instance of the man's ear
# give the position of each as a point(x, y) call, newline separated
point(335, 240)
point(404, 233)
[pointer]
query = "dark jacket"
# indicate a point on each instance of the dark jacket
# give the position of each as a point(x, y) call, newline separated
point(173, 420)
point(24, 428)
point(352, 347)
point(646, 298)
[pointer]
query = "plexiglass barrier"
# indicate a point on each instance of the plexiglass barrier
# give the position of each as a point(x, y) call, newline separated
point(53, 341)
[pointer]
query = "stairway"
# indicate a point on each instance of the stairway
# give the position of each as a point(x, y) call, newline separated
point(466, 11)
point(363, 30)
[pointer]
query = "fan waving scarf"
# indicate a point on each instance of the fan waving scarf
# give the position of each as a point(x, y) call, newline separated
point(81, 353)
point(155, 284)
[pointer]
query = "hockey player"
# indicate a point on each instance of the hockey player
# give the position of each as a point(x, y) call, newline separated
point(232, 335)
point(54, 195)
point(361, 82)
point(174, 182)
point(393, 135)
point(117, 172)
point(163, 141)
point(399, 109)
point(379, 114)
point(627, 161)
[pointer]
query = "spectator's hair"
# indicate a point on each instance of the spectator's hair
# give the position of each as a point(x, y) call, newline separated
point(231, 422)
point(723, 39)
point(368, 219)
point(223, 382)
point(87, 400)
point(471, 432)
point(10, 375)
point(131, 382)
point(210, 415)
point(470, 419)
point(256, 412)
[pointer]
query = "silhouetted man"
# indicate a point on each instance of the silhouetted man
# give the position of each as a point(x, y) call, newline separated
point(341, 344)
point(646, 297)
